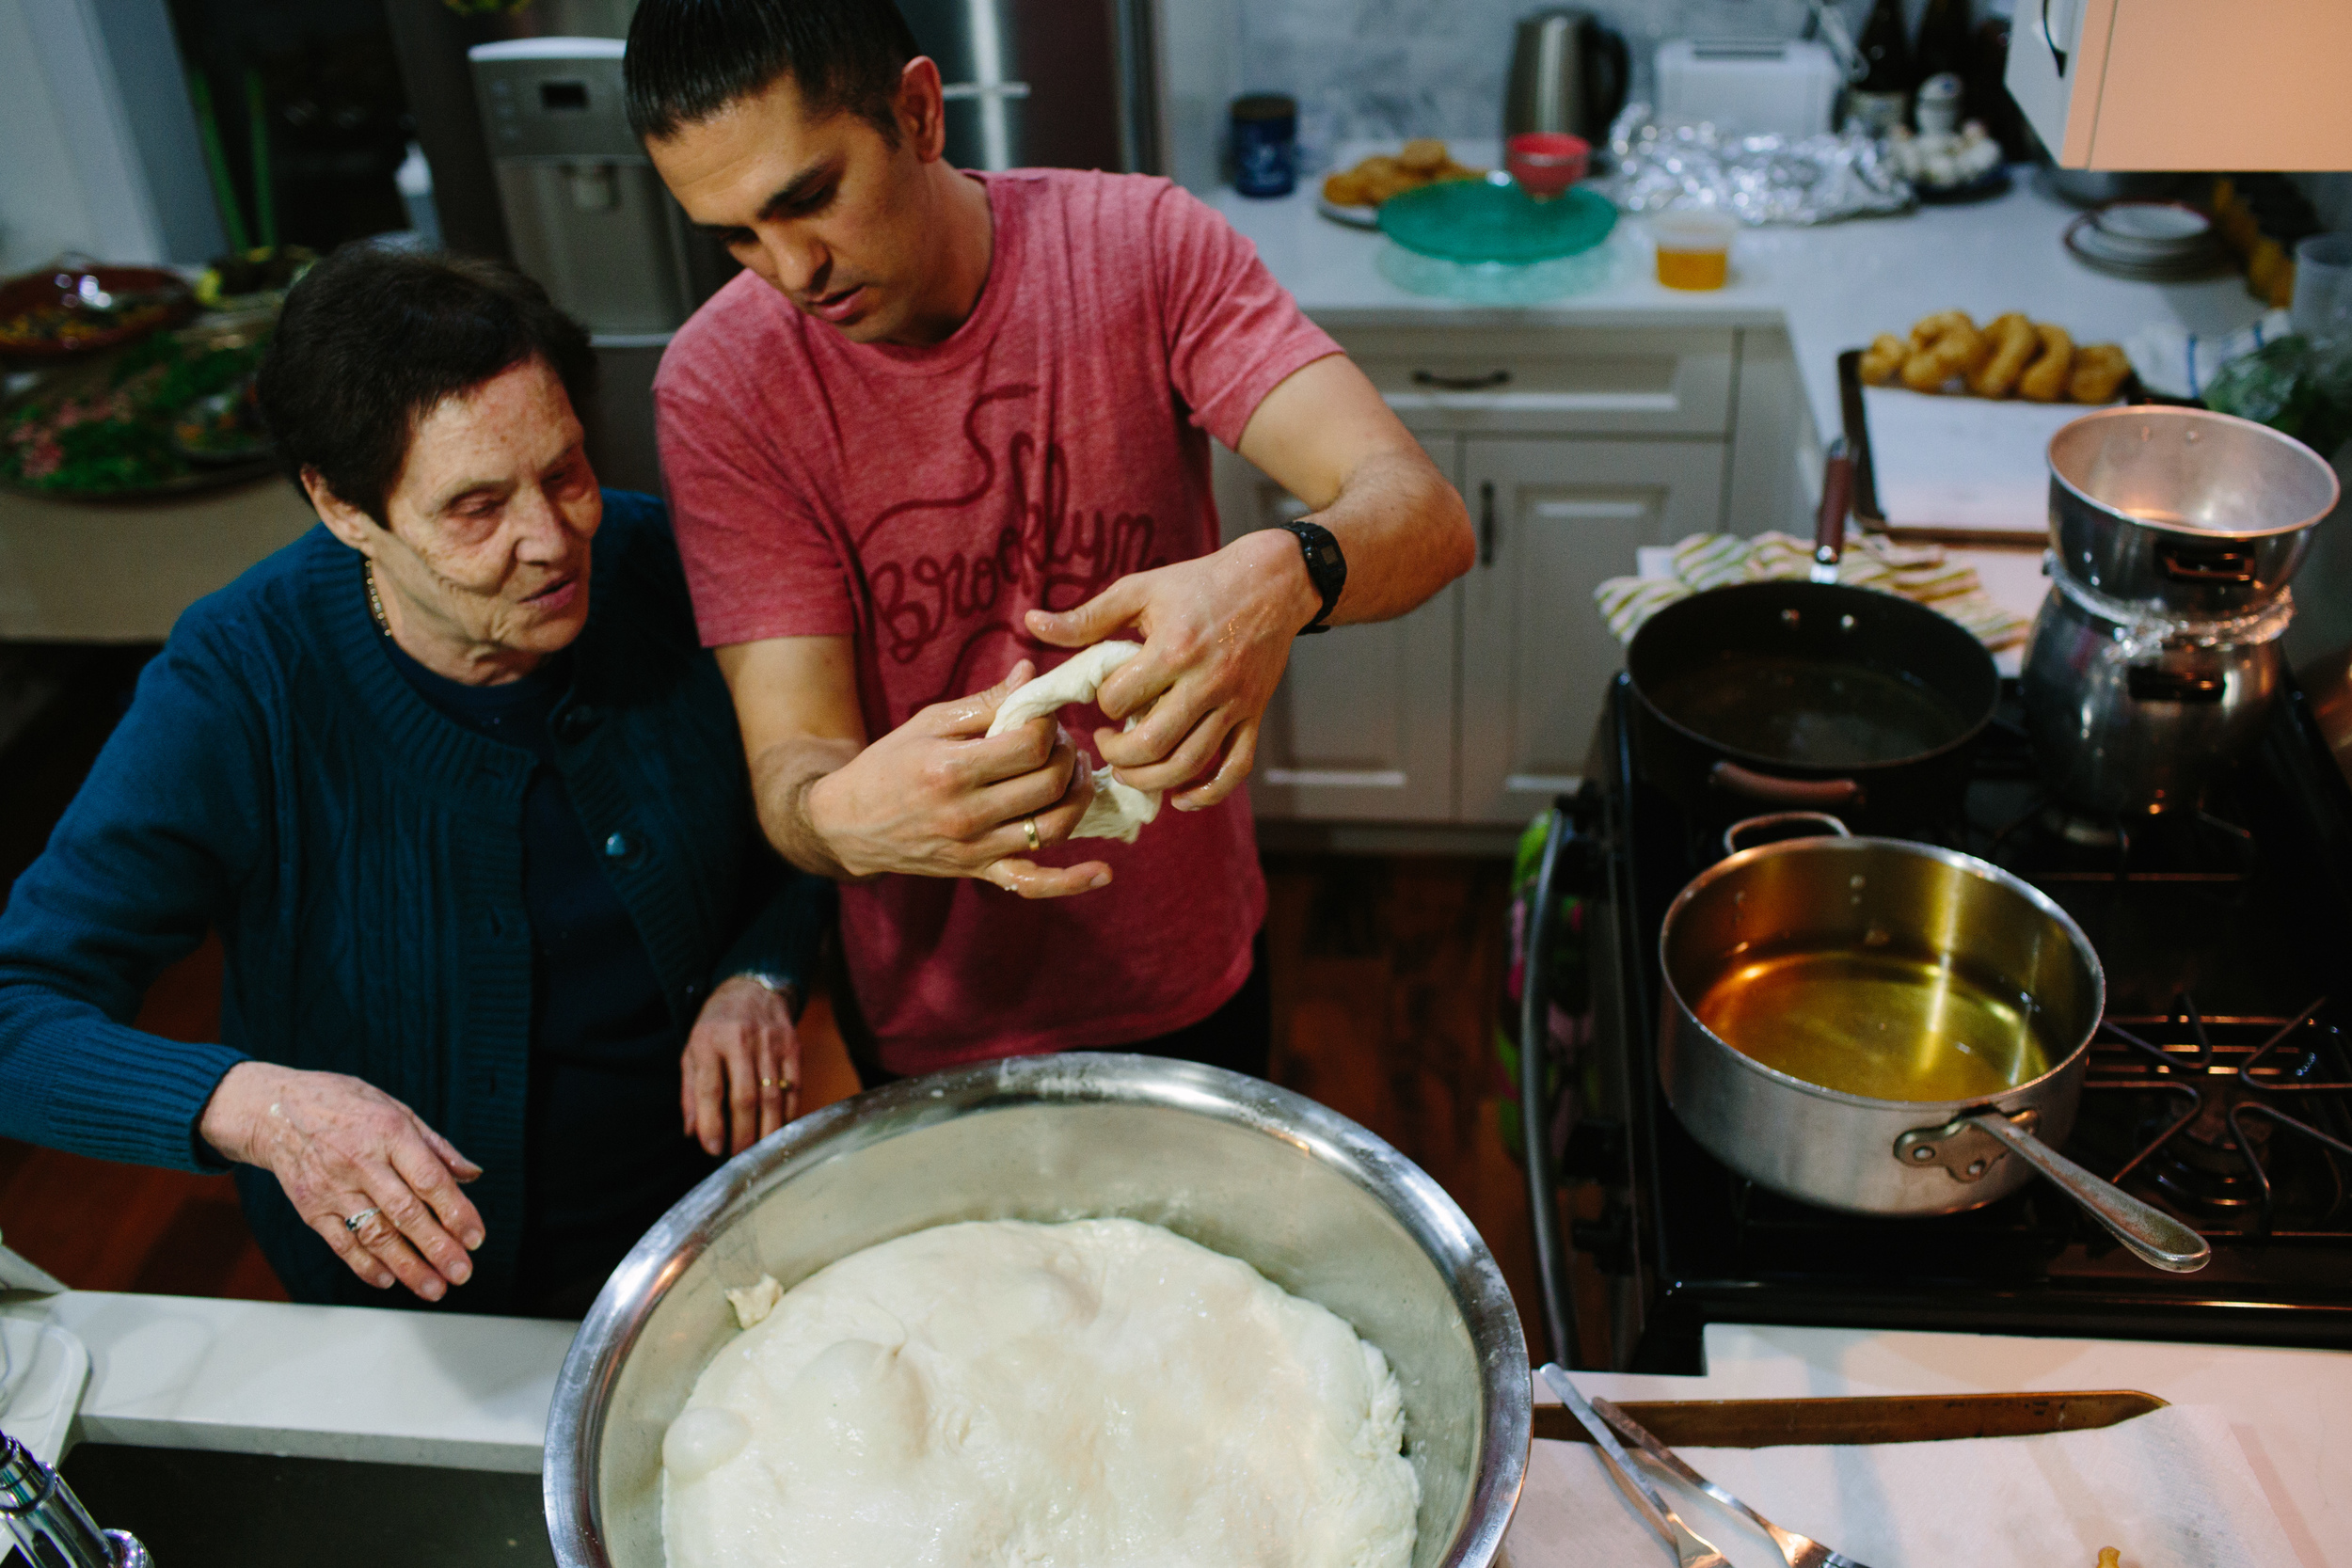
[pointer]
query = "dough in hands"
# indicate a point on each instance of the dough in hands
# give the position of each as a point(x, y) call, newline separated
point(1118, 810)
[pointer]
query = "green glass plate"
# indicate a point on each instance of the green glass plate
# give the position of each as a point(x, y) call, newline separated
point(1470, 220)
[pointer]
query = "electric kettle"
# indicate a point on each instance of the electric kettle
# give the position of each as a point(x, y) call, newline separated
point(1568, 73)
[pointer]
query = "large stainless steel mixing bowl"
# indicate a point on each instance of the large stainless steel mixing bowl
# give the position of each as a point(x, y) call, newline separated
point(1315, 1203)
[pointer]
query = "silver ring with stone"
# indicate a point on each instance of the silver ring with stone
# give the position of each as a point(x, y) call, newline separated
point(356, 1221)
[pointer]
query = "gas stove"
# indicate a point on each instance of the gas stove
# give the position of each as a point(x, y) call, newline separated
point(2219, 1086)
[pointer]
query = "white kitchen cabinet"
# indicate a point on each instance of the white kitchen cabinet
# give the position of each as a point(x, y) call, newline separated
point(2185, 84)
point(1361, 728)
point(1771, 425)
point(1554, 519)
point(1589, 381)
point(1572, 448)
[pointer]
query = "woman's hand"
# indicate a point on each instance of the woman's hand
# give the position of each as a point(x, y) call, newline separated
point(341, 1148)
point(740, 1075)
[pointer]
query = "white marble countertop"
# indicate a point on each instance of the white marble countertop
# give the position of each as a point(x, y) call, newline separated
point(1832, 286)
point(317, 1381)
point(472, 1393)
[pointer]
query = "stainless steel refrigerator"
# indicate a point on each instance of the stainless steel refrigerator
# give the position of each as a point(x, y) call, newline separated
point(547, 174)
point(1070, 83)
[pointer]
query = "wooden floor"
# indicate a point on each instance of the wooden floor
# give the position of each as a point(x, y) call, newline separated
point(1386, 972)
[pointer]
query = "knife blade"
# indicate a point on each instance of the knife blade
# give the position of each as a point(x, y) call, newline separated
point(1877, 1418)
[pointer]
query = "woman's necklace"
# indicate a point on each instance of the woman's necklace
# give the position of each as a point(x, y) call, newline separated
point(375, 604)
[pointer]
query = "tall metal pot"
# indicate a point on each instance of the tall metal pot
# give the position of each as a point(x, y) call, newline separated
point(2133, 713)
point(2184, 511)
point(1312, 1200)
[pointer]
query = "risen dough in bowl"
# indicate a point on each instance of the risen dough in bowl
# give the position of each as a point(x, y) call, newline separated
point(1095, 1394)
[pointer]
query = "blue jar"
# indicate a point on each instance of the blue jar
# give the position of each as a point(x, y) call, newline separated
point(1265, 144)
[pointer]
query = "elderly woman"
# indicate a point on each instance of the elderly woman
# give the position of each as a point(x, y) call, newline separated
point(465, 800)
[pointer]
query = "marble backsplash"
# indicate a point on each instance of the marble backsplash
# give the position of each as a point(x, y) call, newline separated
point(1399, 67)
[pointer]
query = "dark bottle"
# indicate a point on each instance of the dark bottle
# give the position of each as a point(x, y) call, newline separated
point(1942, 39)
point(1882, 98)
point(1988, 97)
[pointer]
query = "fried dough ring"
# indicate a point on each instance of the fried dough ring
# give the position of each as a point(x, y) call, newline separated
point(1346, 190)
point(1929, 329)
point(1424, 155)
point(2099, 370)
point(1945, 346)
point(2013, 341)
point(2044, 380)
point(1883, 359)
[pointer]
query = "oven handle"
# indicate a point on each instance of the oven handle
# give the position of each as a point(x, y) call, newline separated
point(1543, 1204)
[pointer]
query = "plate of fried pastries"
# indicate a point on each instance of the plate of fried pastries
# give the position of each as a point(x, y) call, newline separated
point(1353, 196)
point(2011, 356)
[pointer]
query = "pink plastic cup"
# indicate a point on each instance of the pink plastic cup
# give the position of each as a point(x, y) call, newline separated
point(1545, 162)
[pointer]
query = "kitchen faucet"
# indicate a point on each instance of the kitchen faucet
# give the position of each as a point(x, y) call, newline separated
point(49, 1522)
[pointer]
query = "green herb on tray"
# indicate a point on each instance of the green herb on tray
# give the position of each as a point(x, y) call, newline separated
point(118, 438)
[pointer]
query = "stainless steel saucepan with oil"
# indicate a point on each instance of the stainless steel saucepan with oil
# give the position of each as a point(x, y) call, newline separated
point(1887, 1027)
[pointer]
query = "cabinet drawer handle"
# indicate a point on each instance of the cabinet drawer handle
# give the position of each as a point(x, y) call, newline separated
point(1488, 528)
point(1487, 383)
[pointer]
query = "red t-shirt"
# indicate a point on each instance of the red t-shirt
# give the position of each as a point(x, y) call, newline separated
point(922, 499)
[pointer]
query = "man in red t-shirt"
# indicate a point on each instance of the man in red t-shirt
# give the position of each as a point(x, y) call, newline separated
point(945, 428)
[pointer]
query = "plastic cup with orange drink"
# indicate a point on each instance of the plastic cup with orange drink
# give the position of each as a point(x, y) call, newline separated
point(1693, 246)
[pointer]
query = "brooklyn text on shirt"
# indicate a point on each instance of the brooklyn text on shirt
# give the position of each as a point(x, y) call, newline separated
point(1051, 554)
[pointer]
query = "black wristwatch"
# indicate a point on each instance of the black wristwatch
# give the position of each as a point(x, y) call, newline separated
point(1327, 568)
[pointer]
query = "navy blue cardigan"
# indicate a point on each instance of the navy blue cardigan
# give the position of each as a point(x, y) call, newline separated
point(361, 856)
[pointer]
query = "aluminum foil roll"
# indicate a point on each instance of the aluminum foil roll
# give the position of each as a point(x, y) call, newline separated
point(1758, 179)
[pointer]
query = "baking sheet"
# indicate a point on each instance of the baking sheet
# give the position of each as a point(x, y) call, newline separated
point(2172, 1488)
point(1962, 467)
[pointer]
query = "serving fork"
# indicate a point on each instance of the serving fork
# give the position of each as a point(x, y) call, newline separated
point(1799, 1551)
point(1691, 1551)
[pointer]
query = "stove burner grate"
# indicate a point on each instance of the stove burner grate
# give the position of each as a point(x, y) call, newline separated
point(2051, 842)
point(2241, 1126)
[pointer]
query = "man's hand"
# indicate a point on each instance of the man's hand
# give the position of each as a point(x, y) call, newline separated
point(1217, 635)
point(341, 1148)
point(1216, 632)
point(739, 1078)
point(935, 798)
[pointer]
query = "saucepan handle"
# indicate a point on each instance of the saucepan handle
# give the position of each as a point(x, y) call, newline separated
point(1782, 819)
point(2153, 683)
point(2233, 563)
point(1802, 793)
point(1829, 528)
point(2149, 1231)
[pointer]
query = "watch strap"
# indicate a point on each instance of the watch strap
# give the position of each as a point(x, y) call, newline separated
point(1327, 568)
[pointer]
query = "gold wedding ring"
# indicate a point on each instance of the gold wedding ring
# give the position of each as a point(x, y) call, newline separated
point(768, 1082)
point(1029, 826)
